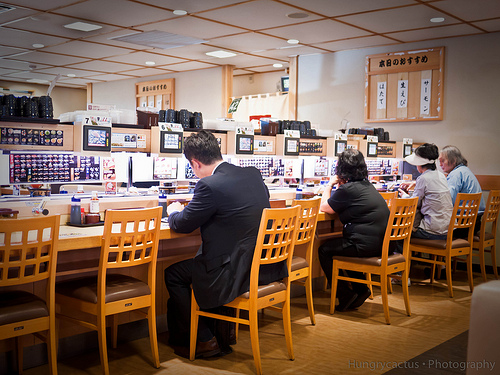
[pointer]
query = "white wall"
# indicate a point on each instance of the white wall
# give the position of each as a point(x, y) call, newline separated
point(196, 91)
point(331, 86)
point(63, 99)
point(262, 83)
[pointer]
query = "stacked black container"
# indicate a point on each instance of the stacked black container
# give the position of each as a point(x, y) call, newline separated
point(188, 120)
point(34, 107)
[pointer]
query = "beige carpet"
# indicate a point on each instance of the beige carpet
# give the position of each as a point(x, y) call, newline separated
point(178, 366)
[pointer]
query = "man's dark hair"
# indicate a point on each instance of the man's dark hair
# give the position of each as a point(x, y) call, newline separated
point(202, 146)
point(351, 166)
point(428, 151)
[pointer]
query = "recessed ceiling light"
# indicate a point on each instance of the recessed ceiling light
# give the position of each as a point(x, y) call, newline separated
point(36, 80)
point(437, 19)
point(220, 54)
point(71, 75)
point(278, 65)
point(180, 12)
point(38, 45)
point(82, 26)
point(150, 63)
point(297, 15)
point(292, 41)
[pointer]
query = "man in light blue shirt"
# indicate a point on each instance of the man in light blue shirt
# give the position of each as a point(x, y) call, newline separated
point(460, 178)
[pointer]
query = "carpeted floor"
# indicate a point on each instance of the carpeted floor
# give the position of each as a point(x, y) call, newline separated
point(450, 357)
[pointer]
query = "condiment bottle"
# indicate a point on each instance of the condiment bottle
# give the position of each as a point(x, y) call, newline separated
point(94, 203)
point(75, 213)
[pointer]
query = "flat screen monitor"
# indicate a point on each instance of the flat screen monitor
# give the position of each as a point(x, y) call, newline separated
point(96, 138)
point(171, 142)
point(164, 168)
point(285, 81)
point(244, 144)
point(408, 168)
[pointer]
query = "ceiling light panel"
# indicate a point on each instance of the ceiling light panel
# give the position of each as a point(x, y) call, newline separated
point(318, 31)
point(255, 15)
point(83, 26)
point(160, 39)
point(337, 8)
point(221, 54)
point(115, 12)
point(384, 21)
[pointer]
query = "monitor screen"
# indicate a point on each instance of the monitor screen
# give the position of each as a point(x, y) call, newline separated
point(164, 168)
point(96, 138)
point(244, 144)
point(171, 142)
point(285, 81)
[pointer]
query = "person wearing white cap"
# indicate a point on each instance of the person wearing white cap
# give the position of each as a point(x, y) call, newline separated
point(434, 199)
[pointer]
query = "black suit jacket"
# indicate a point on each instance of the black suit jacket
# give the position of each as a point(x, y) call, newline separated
point(227, 207)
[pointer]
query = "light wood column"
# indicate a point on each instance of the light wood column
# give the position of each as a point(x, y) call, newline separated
point(227, 89)
point(292, 88)
point(89, 92)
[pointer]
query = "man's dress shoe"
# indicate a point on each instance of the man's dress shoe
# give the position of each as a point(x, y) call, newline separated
point(204, 349)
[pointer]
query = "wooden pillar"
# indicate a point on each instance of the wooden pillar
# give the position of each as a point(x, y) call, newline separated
point(89, 93)
point(227, 89)
point(292, 88)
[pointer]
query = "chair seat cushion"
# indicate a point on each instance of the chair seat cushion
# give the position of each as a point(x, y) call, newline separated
point(265, 290)
point(298, 263)
point(19, 305)
point(372, 261)
point(118, 287)
point(439, 244)
point(487, 237)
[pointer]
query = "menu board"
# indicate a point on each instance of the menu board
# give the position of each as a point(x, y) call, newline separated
point(37, 137)
point(28, 168)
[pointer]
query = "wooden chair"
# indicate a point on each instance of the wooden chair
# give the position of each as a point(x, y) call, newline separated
point(130, 239)
point(442, 251)
point(488, 239)
point(399, 227)
point(301, 269)
point(275, 243)
point(28, 254)
point(389, 196)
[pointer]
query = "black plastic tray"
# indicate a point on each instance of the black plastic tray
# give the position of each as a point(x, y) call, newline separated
point(85, 225)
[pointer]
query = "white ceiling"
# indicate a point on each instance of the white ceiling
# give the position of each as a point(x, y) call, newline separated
point(256, 30)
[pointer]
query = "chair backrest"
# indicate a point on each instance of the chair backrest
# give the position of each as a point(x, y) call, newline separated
point(28, 250)
point(464, 214)
point(130, 238)
point(389, 196)
point(399, 225)
point(491, 212)
point(275, 241)
point(308, 218)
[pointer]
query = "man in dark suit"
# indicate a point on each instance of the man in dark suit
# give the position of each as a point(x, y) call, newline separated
point(227, 206)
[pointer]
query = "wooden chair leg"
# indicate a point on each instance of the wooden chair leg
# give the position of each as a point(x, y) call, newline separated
point(433, 269)
point(385, 302)
point(237, 325)
point(52, 347)
point(470, 276)
point(482, 263)
point(254, 339)
point(153, 340)
point(309, 298)
point(20, 354)
point(194, 328)
point(369, 278)
point(494, 261)
point(114, 331)
point(448, 276)
point(103, 350)
point(406, 294)
point(333, 287)
point(287, 326)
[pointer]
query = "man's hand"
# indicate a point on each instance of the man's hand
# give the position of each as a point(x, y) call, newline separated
point(174, 207)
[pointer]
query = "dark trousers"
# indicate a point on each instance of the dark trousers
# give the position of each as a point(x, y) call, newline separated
point(335, 247)
point(178, 279)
